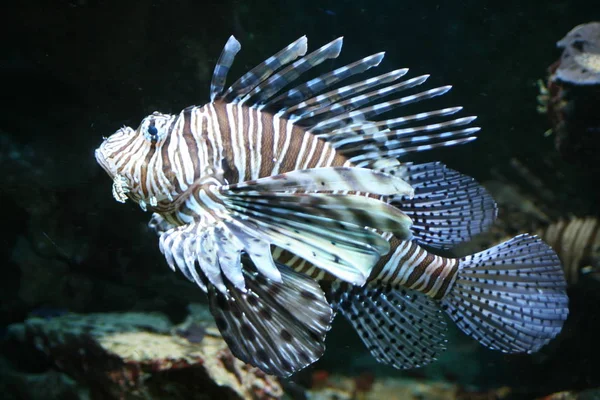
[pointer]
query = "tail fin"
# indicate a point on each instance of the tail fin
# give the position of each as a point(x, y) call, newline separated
point(511, 297)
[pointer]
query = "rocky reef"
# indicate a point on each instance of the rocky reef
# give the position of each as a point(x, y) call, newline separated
point(136, 356)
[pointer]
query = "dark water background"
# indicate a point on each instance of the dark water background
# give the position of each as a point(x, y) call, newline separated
point(74, 71)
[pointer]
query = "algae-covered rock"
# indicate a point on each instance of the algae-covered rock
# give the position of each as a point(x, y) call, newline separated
point(351, 388)
point(142, 355)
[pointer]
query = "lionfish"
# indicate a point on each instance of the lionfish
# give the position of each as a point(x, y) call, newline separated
point(273, 193)
point(577, 243)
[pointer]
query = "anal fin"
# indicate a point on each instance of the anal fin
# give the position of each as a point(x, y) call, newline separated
point(400, 327)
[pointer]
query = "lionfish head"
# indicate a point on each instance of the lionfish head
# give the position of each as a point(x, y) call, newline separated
point(130, 156)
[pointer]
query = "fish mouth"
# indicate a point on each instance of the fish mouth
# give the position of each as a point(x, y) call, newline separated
point(103, 162)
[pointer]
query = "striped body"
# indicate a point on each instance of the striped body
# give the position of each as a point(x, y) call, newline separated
point(216, 144)
point(228, 143)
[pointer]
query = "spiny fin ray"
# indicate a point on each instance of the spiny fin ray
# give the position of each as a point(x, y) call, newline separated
point(263, 92)
point(328, 179)
point(277, 327)
point(401, 328)
point(232, 47)
point(448, 207)
point(296, 96)
point(265, 69)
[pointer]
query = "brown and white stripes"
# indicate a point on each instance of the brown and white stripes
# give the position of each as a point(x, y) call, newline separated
point(408, 265)
point(252, 144)
point(577, 243)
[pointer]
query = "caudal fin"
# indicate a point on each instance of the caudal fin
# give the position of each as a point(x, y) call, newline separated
point(511, 297)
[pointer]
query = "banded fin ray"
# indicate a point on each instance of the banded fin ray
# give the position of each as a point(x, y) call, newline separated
point(331, 115)
point(397, 149)
point(344, 124)
point(297, 95)
point(328, 179)
point(263, 92)
point(448, 207)
point(324, 118)
point(400, 327)
point(326, 102)
point(277, 327)
point(264, 70)
point(511, 297)
point(355, 138)
point(232, 47)
point(393, 123)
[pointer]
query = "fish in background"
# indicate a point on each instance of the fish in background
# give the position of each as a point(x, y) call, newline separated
point(543, 198)
point(274, 187)
point(577, 243)
point(570, 96)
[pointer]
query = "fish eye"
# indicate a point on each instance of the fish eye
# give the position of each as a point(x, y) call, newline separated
point(155, 127)
point(153, 133)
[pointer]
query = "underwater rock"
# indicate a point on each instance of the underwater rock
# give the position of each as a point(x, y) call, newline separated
point(32, 386)
point(588, 394)
point(571, 97)
point(351, 388)
point(142, 355)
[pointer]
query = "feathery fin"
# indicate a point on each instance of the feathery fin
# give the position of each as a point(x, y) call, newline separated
point(328, 179)
point(447, 208)
point(354, 210)
point(511, 297)
point(402, 328)
point(211, 247)
point(313, 227)
point(277, 327)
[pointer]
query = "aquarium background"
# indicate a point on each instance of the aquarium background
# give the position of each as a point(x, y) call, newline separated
point(72, 72)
